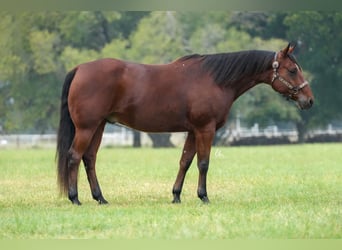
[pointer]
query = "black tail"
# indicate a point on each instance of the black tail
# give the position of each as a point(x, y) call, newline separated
point(66, 133)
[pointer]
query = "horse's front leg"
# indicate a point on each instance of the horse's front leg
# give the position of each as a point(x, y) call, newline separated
point(188, 154)
point(204, 139)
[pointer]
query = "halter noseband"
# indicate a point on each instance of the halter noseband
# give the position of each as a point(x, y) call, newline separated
point(294, 89)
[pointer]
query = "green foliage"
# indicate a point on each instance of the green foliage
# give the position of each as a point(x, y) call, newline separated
point(11, 63)
point(261, 105)
point(157, 39)
point(117, 48)
point(71, 57)
point(320, 34)
point(43, 47)
point(256, 192)
point(84, 29)
point(36, 51)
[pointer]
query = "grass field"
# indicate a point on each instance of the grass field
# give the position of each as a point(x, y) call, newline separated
point(276, 192)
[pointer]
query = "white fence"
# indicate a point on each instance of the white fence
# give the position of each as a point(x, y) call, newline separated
point(122, 137)
point(49, 140)
point(27, 140)
point(118, 138)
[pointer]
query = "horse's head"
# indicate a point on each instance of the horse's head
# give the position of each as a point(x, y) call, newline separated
point(288, 78)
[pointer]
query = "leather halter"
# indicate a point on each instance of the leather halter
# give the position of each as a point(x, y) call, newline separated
point(294, 89)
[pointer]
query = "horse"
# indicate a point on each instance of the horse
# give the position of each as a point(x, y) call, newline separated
point(192, 94)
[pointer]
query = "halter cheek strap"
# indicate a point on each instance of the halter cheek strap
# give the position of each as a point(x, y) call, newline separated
point(295, 89)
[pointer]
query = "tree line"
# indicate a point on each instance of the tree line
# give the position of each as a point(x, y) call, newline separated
point(38, 48)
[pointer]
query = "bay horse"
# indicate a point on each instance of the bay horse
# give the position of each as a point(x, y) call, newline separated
point(191, 94)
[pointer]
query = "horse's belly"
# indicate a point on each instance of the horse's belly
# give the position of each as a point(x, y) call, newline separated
point(151, 122)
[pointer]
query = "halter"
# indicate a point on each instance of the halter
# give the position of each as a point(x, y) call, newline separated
point(294, 89)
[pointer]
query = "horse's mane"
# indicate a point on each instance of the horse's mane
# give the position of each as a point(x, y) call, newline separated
point(228, 68)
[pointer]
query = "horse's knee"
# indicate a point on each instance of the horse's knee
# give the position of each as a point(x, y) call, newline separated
point(203, 166)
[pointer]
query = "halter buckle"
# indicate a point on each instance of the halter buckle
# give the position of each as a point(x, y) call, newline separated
point(275, 65)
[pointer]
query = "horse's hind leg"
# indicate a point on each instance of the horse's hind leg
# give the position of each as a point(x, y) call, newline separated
point(79, 146)
point(89, 160)
point(188, 154)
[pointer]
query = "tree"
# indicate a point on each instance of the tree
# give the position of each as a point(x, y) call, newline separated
point(319, 35)
point(266, 25)
point(36, 51)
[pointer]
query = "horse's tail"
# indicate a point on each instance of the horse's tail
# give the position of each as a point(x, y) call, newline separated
point(65, 136)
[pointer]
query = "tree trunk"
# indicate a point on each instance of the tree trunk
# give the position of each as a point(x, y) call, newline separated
point(161, 140)
point(136, 139)
point(301, 129)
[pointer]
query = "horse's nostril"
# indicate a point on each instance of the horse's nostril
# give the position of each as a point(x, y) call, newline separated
point(311, 102)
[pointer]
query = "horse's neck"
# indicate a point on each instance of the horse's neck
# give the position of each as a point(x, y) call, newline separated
point(244, 85)
point(241, 87)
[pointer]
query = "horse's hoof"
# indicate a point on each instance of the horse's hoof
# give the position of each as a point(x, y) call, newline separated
point(76, 202)
point(176, 201)
point(205, 200)
point(102, 201)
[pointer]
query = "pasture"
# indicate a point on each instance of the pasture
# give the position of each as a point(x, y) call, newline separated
point(268, 192)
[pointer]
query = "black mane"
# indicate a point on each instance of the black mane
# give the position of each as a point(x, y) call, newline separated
point(228, 68)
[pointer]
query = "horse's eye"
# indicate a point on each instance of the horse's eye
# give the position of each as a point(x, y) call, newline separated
point(293, 70)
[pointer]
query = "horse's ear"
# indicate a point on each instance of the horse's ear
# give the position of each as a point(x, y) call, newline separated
point(292, 46)
point(289, 49)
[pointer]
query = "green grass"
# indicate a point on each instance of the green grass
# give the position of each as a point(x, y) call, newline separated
point(255, 192)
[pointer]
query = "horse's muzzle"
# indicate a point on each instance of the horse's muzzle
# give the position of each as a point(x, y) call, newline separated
point(305, 104)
